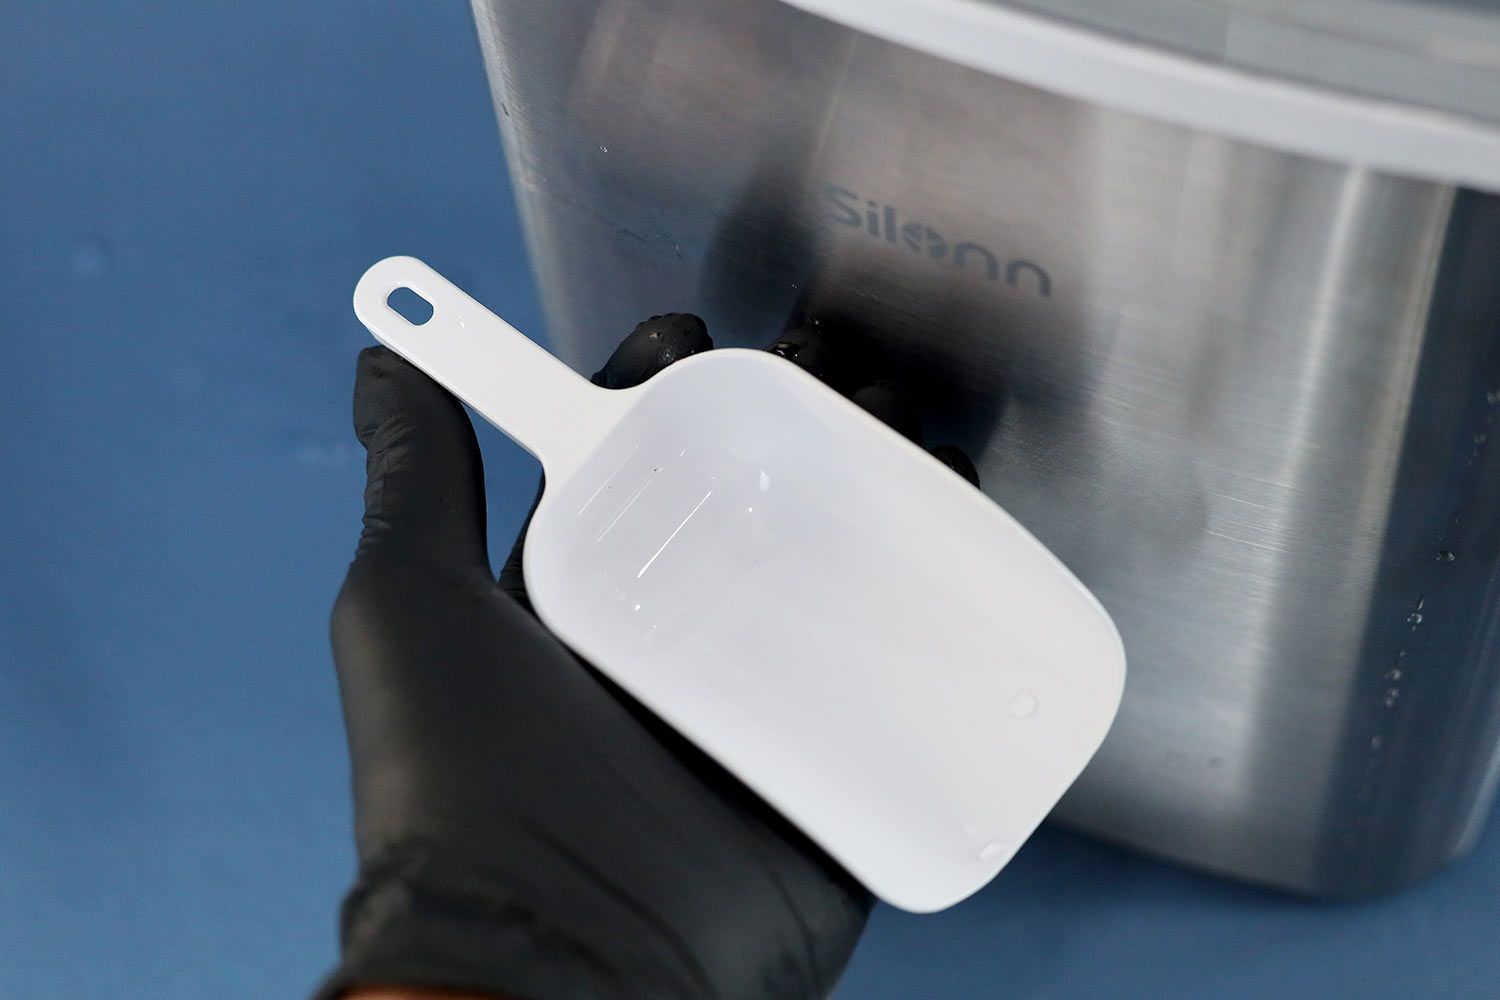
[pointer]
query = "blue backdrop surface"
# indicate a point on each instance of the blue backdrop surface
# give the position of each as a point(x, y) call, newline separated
point(187, 195)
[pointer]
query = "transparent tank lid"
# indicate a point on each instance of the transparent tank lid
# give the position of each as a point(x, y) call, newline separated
point(1438, 54)
point(1406, 86)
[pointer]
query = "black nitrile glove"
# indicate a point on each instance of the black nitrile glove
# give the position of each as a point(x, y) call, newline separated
point(524, 828)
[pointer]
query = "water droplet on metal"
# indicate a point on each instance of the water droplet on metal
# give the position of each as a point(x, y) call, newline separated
point(1445, 556)
point(1415, 617)
point(1023, 705)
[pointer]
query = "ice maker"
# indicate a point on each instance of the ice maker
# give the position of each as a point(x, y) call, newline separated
point(1210, 290)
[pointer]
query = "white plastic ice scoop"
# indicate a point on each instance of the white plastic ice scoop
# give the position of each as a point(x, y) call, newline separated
point(868, 642)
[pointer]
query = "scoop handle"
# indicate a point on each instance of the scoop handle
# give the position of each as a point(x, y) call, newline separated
point(539, 402)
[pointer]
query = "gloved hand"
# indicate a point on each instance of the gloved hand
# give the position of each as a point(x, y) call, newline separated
point(524, 828)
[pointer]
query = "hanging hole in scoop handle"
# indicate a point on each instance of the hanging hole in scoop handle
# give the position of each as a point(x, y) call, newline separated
point(540, 403)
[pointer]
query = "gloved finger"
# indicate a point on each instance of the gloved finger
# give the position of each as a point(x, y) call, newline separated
point(821, 352)
point(650, 347)
point(956, 459)
point(424, 492)
point(511, 579)
point(885, 401)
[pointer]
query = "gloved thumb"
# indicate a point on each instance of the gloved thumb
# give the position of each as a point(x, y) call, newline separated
point(424, 491)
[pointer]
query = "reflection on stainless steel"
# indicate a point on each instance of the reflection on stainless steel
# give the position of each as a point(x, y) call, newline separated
point(1246, 396)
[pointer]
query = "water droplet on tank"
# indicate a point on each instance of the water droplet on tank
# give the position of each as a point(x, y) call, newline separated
point(1445, 556)
point(1376, 742)
point(1415, 617)
point(1023, 705)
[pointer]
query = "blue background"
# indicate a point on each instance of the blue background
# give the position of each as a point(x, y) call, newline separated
point(187, 194)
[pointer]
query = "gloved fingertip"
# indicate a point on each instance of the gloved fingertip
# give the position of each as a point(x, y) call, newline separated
point(816, 350)
point(384, 385)
point(652, 346)
point(377, 362)
point(958, 460)
point(884, 400)
point(425, 487)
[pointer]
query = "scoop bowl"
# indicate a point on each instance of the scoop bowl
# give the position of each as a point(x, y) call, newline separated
point(876, 648)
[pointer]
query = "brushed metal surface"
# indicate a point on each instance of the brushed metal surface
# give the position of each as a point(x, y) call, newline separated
point(1246, 396)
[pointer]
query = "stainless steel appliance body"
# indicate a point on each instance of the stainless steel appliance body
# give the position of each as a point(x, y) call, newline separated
point(1251, 398)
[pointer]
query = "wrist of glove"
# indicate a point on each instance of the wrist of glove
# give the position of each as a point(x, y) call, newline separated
point(524, 828)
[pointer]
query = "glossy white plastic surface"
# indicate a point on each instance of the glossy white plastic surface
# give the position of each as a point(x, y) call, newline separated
point(868, 642)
